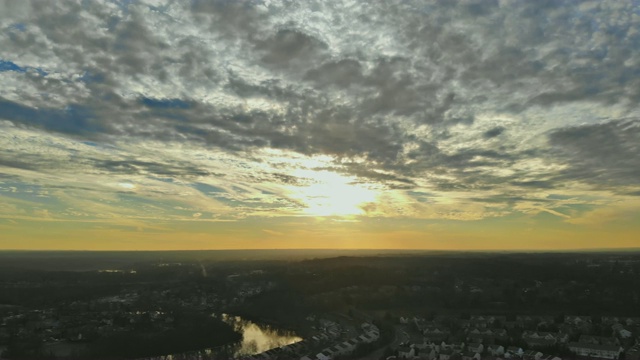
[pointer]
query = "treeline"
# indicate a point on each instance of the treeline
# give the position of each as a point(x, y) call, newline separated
point(192, 332)
point(499, 283)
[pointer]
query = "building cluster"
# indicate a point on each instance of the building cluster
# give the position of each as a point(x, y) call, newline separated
point(79, 321)
point(483, 337)
point(370, 334)
point(83, 321)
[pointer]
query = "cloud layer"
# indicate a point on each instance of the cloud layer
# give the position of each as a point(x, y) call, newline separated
point(227, 110)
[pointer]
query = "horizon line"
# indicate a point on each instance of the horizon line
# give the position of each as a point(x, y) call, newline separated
point(340, 249)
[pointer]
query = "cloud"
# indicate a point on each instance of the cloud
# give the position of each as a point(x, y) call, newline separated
point(491, 133)
point(601, 154)
point(617, 212)
point(485, 103)
point(272, 232)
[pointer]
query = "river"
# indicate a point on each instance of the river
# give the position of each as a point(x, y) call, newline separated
point(256, 338)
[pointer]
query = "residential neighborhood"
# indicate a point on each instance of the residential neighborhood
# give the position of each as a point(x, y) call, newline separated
point(499, 337)
point(436, 307)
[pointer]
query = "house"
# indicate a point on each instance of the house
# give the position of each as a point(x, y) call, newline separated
point(419, 342)
point(475, 347)
point(633, 353)
point(487, 336)
point(532, 355)
point(432, 355)
point(324, 355)
point(436, 334)
point(495, 350)
point(479, 336)
point(406, 352)
point(632, 321)
point(500, 334)
point(349, 345)
point(617, 327)
point(541, 338)
point(594, 350)
point(578, 321)
point(526, 320)
point(625, 334)
point(478, 324)
point(514, 351)
point(566, 328)
point(610, 320)
point(600, 340)
point(366, 338)
point(445, 354)
point(471, 356)
point(545, 320)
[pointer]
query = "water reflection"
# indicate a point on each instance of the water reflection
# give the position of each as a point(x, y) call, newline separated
point(256, 338)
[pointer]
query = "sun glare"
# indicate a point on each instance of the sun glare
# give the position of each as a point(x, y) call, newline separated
point(332, 194)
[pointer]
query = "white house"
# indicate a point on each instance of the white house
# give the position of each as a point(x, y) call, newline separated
point(324, 355)
point(594, 350)
point(496, 350)
point(515, 351)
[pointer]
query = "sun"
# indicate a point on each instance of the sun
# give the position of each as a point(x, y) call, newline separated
point(332, 194)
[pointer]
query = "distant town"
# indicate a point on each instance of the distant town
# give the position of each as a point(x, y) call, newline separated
point(445, 306)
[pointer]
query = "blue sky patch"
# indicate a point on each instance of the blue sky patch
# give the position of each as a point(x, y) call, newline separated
point(206, 188)
point(164, 103)
point(90, 77)
point(10, 66)
point(6, 65)
point(72, 120)
point(18, 26)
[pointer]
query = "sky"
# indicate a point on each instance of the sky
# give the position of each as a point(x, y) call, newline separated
point(458, 125)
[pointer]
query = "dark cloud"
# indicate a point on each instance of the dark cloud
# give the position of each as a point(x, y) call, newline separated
point(18, 164)
point(367, 174)
point(536, 184)
point(491, 133)
point(508, 199)
point(288, 179)
point(136, 167)
point(287, 45)
point(603, 154)
point(342, 73)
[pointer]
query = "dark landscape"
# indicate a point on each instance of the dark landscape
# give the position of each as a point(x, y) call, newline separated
point(112, 305)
